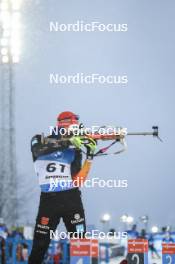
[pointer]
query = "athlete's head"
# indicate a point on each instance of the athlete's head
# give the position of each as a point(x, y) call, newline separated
point(67, 119)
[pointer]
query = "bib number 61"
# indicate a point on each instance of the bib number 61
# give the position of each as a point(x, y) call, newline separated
point(51, 167)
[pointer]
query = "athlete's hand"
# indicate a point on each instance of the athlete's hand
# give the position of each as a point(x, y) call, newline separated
point(76, 141)
point(89, 143)
point(91, 147)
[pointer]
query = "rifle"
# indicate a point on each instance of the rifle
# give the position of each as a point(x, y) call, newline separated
point(118, 136)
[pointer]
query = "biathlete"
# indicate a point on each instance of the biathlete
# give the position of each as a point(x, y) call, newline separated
point(59, 163)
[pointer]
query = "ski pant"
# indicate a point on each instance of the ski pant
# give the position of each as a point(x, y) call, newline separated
point(54, 206)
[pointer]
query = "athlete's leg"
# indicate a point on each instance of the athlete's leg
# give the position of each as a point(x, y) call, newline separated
point(75, 222)
point(74, 217)
point(46, 221)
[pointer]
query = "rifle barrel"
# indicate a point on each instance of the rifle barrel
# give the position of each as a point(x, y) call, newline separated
point(140, 134)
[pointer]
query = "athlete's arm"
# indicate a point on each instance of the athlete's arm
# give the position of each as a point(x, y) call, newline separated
point(39, 149)
point(76, 165)
point(81, 176)
point(36, 146)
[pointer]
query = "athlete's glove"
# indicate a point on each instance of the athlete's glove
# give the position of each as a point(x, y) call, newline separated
point(89, 143)
point(76, 142)
point(91, 147)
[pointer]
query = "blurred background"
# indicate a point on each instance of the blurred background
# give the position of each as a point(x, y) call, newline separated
point(145, 53)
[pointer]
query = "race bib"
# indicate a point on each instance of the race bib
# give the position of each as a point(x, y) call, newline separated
point(54, 172)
